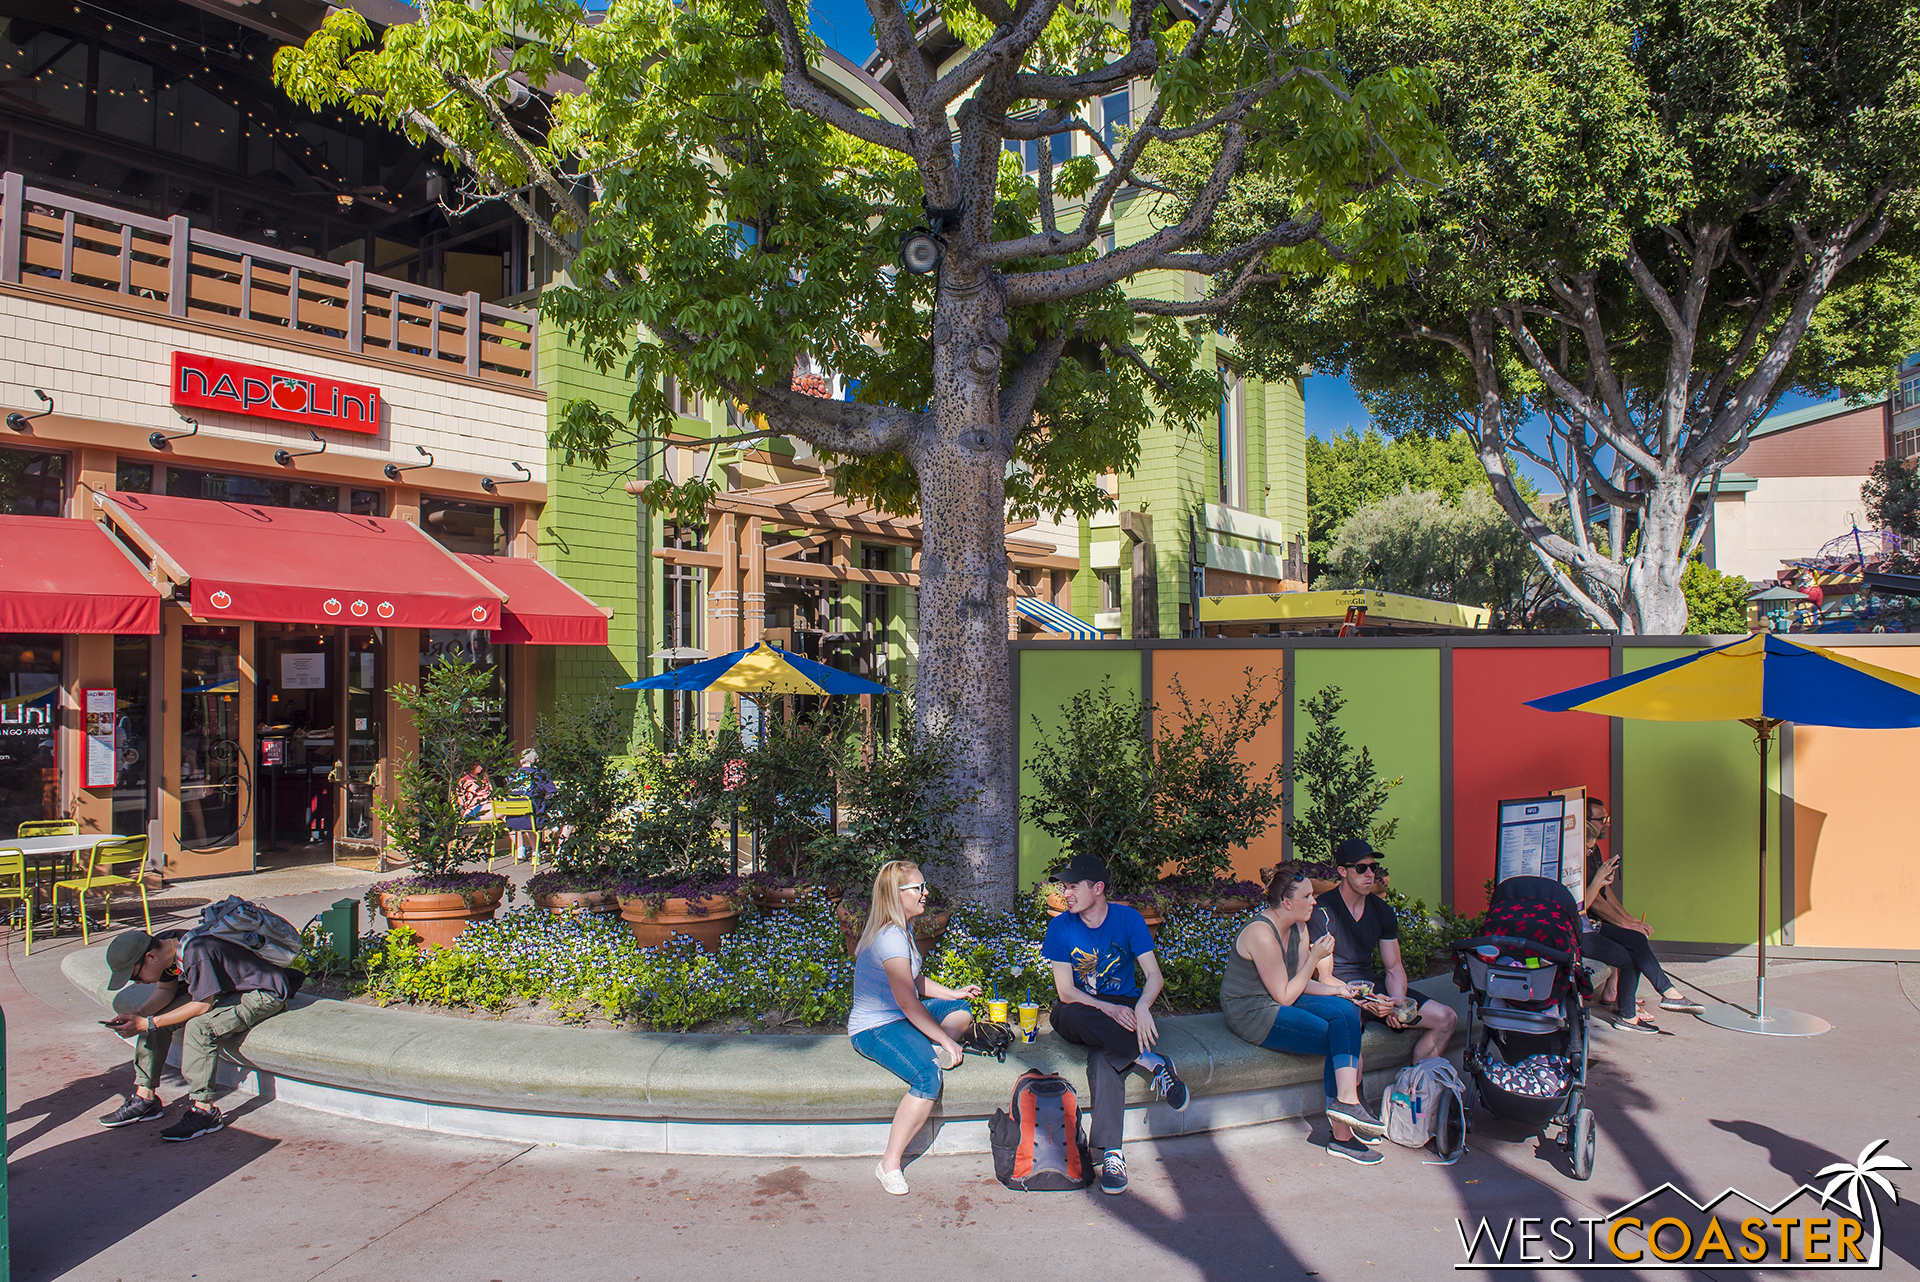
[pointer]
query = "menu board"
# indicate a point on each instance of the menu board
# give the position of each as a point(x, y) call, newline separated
point(102, 755)
point(1573, 842)
point(303, 671)
point(1531, 838)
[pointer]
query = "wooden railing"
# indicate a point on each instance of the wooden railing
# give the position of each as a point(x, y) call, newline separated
point(169, 268)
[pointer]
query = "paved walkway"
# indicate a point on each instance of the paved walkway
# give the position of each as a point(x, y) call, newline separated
point(284, 1193)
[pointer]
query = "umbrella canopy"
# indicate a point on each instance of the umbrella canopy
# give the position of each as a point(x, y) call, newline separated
point(1778, 594)
point(1761, 680)
point(1762, 677)
point(760, 669)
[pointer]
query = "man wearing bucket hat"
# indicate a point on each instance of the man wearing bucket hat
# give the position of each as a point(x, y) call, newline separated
point(210, 989)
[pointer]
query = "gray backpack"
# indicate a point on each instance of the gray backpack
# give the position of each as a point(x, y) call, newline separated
point(269, 936)
point(1427, 1101)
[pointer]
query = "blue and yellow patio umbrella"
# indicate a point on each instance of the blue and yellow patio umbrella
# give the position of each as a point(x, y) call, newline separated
point(760, 669)
point(1763, 680)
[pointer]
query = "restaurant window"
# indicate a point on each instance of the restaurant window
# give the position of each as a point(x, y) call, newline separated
point(132, 683)
point(133, 478)
point(235, 487)
point(477, 528)
point(32, 483)
point(681, 629)
point(475, 647)
point(215, 792)
point(29, 723)
point(368, 503)
point(1109, 590)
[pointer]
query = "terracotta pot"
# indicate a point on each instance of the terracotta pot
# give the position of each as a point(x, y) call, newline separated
point(1321, 885)
point(1056, 904)
point(1151, 914)
point(1380, 884)
point(779, 900)
point(438, 919)
point(928, 928)
point(565, 901)
point(1231, 906)
point(653, 926)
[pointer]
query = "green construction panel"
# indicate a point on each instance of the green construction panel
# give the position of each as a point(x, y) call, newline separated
point(1393, 710)
point(1689, 824)
point(1048, 681)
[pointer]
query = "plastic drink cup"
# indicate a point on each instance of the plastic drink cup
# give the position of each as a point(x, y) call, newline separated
point(997, 1010)
point(1029, 1022)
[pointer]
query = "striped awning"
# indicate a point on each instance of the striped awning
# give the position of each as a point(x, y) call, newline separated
point(1051, 617)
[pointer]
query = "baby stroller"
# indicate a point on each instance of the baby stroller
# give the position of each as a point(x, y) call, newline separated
point(1524, 983)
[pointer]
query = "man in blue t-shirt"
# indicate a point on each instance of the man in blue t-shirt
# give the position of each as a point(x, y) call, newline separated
point(1101, 1004)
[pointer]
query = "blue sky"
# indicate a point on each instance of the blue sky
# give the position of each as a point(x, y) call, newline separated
point(845, 25)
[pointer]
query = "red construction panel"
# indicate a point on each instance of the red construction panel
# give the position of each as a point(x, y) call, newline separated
point(541, 609)
point(1504, 749)
point(64, 576)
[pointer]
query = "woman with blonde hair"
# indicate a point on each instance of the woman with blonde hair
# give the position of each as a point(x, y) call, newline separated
point(901, 1020)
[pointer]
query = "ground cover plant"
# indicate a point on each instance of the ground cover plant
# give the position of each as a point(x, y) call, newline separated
point(782, 970)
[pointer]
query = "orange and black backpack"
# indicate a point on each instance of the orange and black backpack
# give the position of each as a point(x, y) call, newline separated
point(1038, 1147)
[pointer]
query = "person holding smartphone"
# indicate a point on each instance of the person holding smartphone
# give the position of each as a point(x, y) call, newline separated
point(1610, 934)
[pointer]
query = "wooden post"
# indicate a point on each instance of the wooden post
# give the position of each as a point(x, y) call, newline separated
point(13, 224)
point(356, 305)
point(473, 334)
point(179, 264)
point(753, 602)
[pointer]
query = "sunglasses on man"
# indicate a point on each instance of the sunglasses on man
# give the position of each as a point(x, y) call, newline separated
point(1370, 868)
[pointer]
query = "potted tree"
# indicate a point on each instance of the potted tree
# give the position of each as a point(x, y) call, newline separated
point(463, 756)
point(786, 793)
point(583, 752)
point(671, 879)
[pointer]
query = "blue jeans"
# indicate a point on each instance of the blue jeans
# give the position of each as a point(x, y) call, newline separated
point(906, 1052)
point(1319, 1024)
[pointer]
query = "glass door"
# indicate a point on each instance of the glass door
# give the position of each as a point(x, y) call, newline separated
point(363, 714)
point(297, 670)
point(216, 785)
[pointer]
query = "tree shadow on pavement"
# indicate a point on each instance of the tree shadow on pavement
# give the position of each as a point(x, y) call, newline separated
point(72, 1200)
point(1798, 1160)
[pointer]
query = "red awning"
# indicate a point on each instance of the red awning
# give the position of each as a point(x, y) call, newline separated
point(541, 609)
point(288, 565)
point(67, 576)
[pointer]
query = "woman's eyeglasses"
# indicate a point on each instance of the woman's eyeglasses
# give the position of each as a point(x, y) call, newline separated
point(920, 886)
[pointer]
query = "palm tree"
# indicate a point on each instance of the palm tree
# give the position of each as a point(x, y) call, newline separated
point(1860, 1177)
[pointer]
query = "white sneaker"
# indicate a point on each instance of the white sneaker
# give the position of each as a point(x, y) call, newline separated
point(893, 1182)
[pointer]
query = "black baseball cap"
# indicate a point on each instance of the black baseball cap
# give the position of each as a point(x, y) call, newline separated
point(1082, 868)
point(1352, 851)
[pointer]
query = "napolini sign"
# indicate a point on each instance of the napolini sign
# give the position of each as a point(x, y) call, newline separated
point(213, 383)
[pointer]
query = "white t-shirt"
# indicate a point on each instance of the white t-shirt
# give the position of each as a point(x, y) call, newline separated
point(873, 1004)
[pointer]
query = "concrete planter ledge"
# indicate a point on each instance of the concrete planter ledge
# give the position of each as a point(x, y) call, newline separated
point(770, 1095)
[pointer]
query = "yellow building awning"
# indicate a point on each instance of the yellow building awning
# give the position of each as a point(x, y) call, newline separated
point(1329, 609)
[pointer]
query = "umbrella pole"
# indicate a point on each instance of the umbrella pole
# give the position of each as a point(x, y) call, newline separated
point(1782, 1023)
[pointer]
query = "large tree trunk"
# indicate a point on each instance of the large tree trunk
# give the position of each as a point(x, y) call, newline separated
point(1653, 604)
point(963, 681)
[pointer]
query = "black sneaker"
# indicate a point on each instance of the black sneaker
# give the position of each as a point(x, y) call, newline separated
point(1113, 1172)
point(1366, 1138)
point(1354, 1151)
point(136, 1109)
point(1636, 1025)
point(1168, 1086)
point(1683, 1004)
point(198, 1120)
point(1358, 1116)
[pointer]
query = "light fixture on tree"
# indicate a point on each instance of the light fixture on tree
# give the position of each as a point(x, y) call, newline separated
point(158, 440)
point(492, 486)
point(285, 457)
point(392, 471)
point(923, 248)
point(23, 422)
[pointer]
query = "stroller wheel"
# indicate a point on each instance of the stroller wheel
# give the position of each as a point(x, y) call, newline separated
point(1472, 1101)
point(1583, 1144)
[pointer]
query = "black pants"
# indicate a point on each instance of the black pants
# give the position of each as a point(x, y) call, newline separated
point(1111, 1051)
point(1630, 953)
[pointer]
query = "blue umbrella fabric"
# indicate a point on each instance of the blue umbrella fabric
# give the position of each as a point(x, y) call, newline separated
point(760, 669)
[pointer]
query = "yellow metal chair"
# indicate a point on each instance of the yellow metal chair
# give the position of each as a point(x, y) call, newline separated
point(505, 808)
point(117, 852)
point(49, 828)
point(13, 885)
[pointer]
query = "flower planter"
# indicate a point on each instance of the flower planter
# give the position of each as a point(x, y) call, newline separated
point(438, 919)
point(567, 901)
point(928, 928)
point(781, 898)
point(1230, 906)
point(652, 926)
point(1056, 904)
point(1321, 885)
point(1151, 913)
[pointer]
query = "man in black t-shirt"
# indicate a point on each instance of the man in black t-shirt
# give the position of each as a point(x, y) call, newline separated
point(1361, 922)
point(214, 987)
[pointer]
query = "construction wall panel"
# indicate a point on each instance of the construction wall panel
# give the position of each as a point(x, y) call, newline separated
point(1856, 883)
point(1393, 709)
point(1504, 750)
point(1049, 678)
point(1689, 824)
point(1217, 677)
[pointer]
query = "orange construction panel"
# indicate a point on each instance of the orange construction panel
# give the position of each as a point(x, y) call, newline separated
point(1218, 675)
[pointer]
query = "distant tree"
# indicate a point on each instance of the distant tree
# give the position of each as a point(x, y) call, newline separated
point(1665, 216)
point(1892, 496)
point(1354, 468)
point(1465, 551)
point(1716, 602)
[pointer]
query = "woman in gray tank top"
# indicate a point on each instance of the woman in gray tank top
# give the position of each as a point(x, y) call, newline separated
point(1271, 998)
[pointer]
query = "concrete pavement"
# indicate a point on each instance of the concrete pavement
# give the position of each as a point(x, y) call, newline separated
point(286, 1193)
